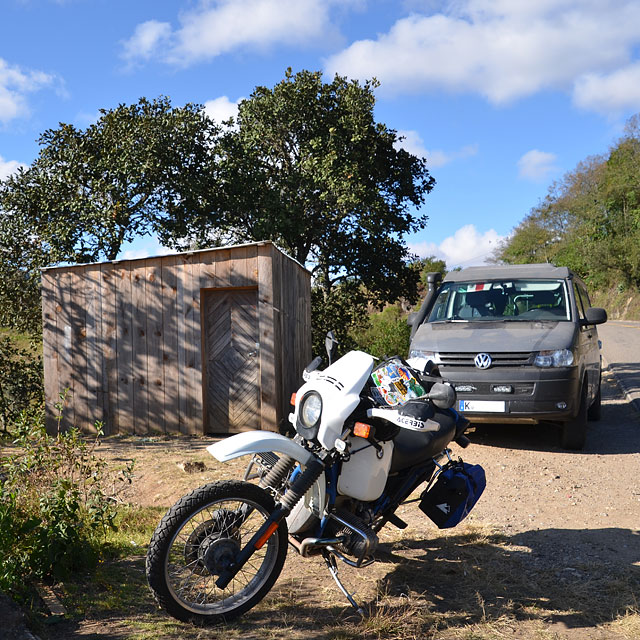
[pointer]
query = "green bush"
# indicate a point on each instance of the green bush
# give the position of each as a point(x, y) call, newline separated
point(20, 380)
point(388, 334)
point(57, 502)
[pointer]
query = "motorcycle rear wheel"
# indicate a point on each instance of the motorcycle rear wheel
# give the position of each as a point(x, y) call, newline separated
point(200, 535)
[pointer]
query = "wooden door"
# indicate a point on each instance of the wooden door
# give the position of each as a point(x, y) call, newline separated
point(231, 359)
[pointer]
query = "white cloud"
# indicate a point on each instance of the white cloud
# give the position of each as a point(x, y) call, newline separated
point(465, 248)
point(500, 49)
point(146, 41)
point(7, 167)
point(537, 165)
point(15, 84)
point(221, 109)
point(611, 93)
point(216, 27)
point(414, 144)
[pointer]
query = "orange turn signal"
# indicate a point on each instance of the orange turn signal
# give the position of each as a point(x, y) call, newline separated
point(293, 400)
point(361, 430)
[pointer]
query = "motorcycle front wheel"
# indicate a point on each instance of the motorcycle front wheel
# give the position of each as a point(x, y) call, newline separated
point(200, 536)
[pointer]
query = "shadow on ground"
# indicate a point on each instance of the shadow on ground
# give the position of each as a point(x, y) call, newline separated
point(449, 583)
point(617, 432)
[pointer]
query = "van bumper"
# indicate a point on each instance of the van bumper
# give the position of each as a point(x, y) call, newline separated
point(525, 394)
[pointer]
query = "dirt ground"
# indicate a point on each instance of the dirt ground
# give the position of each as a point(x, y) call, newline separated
point(532, 484)
point(558, 510)
point(557, 514)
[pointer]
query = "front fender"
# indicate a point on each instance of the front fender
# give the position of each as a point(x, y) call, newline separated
point(250, 442)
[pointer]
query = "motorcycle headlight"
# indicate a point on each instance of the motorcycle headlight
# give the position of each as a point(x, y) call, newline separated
point(554, 358)
point(309, 414)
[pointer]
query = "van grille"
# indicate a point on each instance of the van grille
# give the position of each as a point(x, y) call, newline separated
point(512, 359)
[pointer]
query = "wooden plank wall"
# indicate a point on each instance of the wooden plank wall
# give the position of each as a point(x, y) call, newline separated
point(50, 340)
point(125, 339)
point(267, 325)
point(293, 305)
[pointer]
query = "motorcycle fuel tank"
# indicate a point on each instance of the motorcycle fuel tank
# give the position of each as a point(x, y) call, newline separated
point(364, 474)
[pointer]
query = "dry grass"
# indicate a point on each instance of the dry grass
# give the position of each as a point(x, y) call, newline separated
point(470, 584)
point(475, 582)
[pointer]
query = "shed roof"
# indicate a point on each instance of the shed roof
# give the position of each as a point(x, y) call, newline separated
point(177, 253)
point(499, 272)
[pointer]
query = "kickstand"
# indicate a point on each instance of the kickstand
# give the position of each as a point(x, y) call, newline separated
point(330, 561)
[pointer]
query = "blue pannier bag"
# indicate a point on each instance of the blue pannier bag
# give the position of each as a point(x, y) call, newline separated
point(454, 493)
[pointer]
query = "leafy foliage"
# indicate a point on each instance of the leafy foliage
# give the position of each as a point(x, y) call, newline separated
point(91, 190)
point(55, 503)
point(308, 167)
point(21, 257)
point(20, 381)
point(388, 333)
point(590, 220)
point(428, 265)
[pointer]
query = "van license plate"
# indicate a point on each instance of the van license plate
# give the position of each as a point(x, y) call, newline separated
point(492, 406)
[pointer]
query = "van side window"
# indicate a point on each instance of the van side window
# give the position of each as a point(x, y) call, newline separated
point(584, 295)
point(582, 299)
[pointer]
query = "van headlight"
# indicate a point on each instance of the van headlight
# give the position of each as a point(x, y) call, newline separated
point(554, 358)
point(309, 414)
point(418, 359)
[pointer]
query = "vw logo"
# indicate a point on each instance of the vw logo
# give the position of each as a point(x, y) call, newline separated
point(482, 361)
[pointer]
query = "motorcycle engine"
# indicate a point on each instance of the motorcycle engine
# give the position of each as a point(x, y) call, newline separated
point(360, 540)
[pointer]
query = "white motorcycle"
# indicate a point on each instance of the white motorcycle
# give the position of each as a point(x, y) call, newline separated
point(366, 438)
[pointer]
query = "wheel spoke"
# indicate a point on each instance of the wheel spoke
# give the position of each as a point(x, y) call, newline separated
point(219, 528)
point(199, 538)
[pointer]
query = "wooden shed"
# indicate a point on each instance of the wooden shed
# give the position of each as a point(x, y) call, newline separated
point(211, 341)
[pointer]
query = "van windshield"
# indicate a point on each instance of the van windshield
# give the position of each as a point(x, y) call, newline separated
point(517, 300)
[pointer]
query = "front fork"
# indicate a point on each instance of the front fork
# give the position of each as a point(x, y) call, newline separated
point(302, 483)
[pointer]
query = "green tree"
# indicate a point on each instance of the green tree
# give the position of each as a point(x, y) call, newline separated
point(91, 190)
point(428, 265)
point(20, 381)
point(308, 167)
point(21, 256)
point(618, 230)
point(557, 230)
point(590, 220)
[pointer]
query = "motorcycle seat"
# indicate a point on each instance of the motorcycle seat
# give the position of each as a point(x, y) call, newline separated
point(413, 447)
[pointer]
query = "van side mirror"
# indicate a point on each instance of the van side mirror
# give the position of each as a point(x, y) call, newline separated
point(594, 315)
point(411, 318)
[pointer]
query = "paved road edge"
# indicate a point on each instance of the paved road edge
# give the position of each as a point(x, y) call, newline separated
point(633, 397)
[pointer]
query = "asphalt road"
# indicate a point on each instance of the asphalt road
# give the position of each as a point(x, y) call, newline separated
point(621, 351)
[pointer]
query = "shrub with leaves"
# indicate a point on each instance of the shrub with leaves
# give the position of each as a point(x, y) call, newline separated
point(20, 380)
point(57, 501)
point(388, 334)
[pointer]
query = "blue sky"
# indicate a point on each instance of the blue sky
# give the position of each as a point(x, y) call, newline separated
point(501, 96)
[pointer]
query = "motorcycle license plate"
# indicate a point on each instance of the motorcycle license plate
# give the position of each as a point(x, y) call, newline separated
point(481, 406)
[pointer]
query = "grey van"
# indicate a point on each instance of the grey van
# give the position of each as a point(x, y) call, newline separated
point(518, 343)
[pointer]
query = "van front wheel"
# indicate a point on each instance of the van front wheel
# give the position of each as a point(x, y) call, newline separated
point(595, 410)
point(574, 432)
